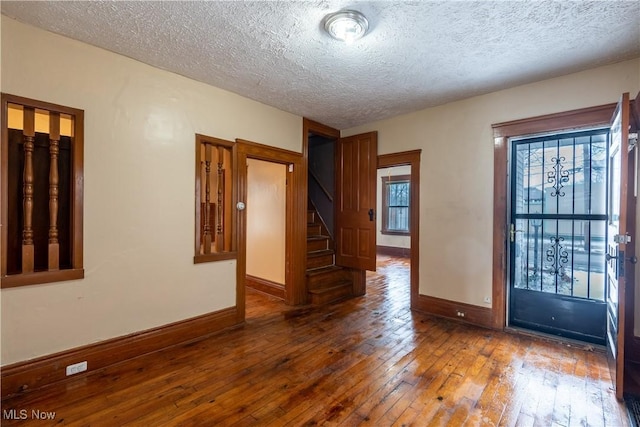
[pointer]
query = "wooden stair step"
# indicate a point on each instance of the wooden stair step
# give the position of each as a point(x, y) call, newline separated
point(314, 229)
point(311, 217)
point(321, 258)
point(319, 278)
point(337, 292)
point(317, 243)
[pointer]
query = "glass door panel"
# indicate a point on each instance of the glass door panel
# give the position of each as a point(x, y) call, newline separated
point(558, 234)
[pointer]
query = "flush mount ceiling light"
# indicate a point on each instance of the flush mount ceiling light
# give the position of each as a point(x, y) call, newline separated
point(346, 25)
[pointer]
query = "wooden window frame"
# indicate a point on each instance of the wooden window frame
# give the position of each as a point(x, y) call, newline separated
point(77, 196)
point(396, 179)
point(233, 253)
point(502, 132)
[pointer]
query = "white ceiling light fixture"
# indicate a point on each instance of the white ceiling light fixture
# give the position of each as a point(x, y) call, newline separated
point(346, 25)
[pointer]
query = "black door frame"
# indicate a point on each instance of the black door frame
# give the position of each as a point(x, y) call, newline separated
point(556, 313)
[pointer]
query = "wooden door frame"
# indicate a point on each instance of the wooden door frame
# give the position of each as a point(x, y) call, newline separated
point(311, 127)
point(295, 234)
point(502, 132)
point(410, 158)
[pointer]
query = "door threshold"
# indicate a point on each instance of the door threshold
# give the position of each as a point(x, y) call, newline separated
point(569, 342)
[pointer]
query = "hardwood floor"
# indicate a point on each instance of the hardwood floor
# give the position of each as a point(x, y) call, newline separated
point(366, 361)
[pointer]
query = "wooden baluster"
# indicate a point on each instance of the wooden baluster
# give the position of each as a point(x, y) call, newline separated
point(220, 216)
point(227, 212)
point(28, 135)
point(207, 200)
point(54, 150)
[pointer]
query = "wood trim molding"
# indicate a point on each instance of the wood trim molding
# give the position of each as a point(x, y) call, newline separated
point(42, 277)
point(33, 374)
point(316, 128)
point(295, 289)
point(568, 120)
point(267, 152)
point(411, 158)
point(265, 286)
point(386, 180)
point(77, 195)
point(499, 268)
point(480, 316)
point(393, 251)
point(310, 127)
point(404, 158)
point(231, 233)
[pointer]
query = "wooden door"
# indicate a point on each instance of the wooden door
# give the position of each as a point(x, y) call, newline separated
point(617, 241)
point(356, 201)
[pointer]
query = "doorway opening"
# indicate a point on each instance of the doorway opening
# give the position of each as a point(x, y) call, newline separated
point(402, 166)
point(266, 226)
point(393, 228)
point(557, 234)
point(269, 207)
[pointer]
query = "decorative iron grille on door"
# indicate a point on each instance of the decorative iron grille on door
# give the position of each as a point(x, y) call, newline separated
point(558, 223)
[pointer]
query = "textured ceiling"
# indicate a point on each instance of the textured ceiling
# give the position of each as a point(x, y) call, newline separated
point(416, 55)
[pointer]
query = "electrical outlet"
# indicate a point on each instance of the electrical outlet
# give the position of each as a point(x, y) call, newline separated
point(487, 300)
point(76, 368)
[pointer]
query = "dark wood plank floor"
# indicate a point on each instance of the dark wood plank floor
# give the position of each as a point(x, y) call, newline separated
point(368, 361)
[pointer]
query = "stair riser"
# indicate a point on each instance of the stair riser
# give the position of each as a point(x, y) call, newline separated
point(320, 261)
point(317, 245)
point(311, 217)
point(331, 296)
point(314, 230)
point(326, 279)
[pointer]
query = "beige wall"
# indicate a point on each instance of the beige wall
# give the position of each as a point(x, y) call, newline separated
point(456, 188)
point(266, 215)
point(389, 239)
point(139, 185)
point(140, 125)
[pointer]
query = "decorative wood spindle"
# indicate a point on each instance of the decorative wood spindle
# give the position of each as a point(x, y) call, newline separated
point(28, 134)
point(220, 215)
point(54, 150)
point(207, 200)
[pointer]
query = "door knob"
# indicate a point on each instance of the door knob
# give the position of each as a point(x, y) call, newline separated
point(371, 214)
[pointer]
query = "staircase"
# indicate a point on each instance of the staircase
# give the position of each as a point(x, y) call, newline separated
point(326, 282)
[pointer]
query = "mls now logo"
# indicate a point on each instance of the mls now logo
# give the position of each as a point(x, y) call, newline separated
point(23, 414)
point(14, 414)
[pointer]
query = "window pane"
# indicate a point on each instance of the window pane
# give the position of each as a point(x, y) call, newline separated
point(398, 219)
point(398, 194)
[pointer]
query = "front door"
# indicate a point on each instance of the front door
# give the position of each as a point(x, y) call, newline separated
point(356, 201)
point(617, 241)
point(558, 234)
